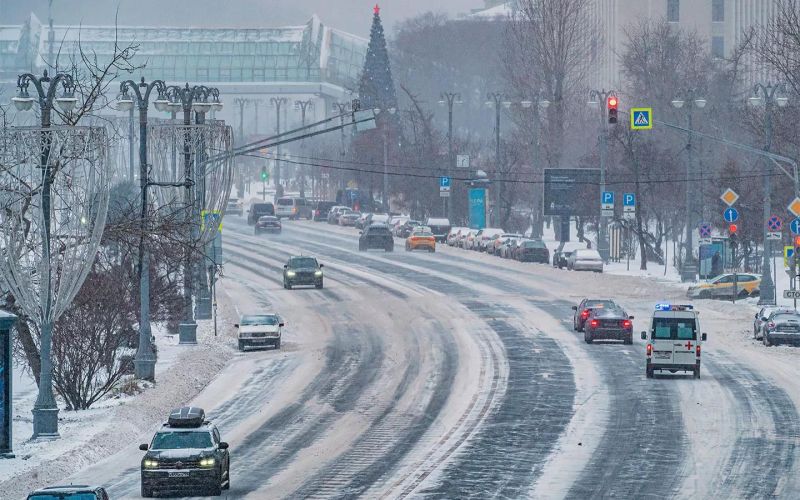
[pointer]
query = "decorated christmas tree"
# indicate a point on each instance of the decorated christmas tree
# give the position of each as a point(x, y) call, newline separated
point(376, 89)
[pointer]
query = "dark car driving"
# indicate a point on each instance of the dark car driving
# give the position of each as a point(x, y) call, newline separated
point(782, 327)
point(560, 259)
point(406, 228)
point(186, 457)
point(376, 236)
point(532, 251)
point(258, 210)
point(302, 270)
point(584, 309)
point(268, 224)
point(608, 323)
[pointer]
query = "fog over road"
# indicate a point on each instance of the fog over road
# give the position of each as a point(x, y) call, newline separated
point(454, 375)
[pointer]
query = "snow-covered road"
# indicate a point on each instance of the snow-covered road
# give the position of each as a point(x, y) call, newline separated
point(456, 374)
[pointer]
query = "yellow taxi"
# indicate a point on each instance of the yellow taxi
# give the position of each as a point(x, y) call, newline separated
point(727, 286)
point(421, 239)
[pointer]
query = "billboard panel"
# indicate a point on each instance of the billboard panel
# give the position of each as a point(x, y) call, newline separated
point(572, 191)
point(477, 208)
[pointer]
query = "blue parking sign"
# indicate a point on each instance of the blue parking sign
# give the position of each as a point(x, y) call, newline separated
point(607, 198)
point(444, 182)
point(629, 200)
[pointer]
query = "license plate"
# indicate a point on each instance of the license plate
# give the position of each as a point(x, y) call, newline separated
point(258, 341)
point(178, 474)
point(663, 354)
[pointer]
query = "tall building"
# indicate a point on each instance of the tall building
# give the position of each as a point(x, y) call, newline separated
point(720, 22)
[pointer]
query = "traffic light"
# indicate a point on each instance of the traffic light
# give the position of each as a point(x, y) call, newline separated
point(796, 244)
point(613, 104)
point(732, 229)
point(264, 174)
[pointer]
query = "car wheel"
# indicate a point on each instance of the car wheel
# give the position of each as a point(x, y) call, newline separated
point(278, 344)
point(241, 346)
point(629, 339)
point(743, 294)
point(649, 372)
point(587, 337)
point(433, 250)
point(389, 249)
point(216, 491)
point(408, 248)
point(705, 294)
point(319, 286)
point(147, 492)
point(228, 474)
point(361, 249)
point(766, 340)
point(696, 372)
point(288, 286)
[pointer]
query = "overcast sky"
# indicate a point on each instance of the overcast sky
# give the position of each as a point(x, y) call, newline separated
point(354, 16)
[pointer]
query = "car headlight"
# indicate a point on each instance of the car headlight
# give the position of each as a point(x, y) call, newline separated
point(290, 273)
point(207, 462)
point(318, 273)
point(150, 464)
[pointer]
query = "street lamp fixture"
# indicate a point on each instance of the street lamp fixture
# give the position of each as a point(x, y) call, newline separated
point(201, 106)
point(700, 103)
point(507, 104)
point(782, 101)
point(67, 101)
point(23, 101)
point(124, 102)
point(677, 103)
point(161, 103)
point(755, 101)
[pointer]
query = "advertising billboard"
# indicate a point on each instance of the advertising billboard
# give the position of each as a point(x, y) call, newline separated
point(6, 322)
point(477, 208)
point(572, 191)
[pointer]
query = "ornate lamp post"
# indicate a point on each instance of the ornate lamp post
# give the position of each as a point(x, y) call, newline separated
point(145, 361)
point(277, 103)
point(385, 135)
point(538, 103)
point(689, 103)
point(45, 410)
point(768, 96)
point(497, 99)
point(303, 106)
point(450, 99)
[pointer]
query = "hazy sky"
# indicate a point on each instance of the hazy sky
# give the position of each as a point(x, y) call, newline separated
point(354, 16)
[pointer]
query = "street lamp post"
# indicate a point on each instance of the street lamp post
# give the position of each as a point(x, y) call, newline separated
point(767, 95)
point(598, 99)
point(385, 134)
point(303, 106)
point(450, 98)
point(185, 97)
point(497, 99)
point(45, 410)
point(342, 108)
point(689, 102)
point(277, 103)
point(239, 172)
point(542, 103)
point(145, 360)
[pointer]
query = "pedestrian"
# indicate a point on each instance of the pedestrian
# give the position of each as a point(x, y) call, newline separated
point(716, 264)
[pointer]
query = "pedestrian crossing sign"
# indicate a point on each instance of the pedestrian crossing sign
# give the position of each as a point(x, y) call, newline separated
point(641, 118)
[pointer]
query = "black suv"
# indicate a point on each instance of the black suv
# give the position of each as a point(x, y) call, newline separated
point(322, 209)
point(258, 210)
point(186, 457)
point(71, 492)
point(376, 236)
point(302, 271)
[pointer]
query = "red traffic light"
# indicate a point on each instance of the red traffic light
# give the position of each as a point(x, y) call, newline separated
point(733, 228)
point(797, 241)
point(612, 102)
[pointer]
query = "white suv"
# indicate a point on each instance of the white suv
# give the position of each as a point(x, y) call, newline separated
point(673, 341)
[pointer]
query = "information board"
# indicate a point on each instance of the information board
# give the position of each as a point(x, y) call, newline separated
point(572, 191)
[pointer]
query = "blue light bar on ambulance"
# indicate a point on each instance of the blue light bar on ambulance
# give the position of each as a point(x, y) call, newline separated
point(674, 307)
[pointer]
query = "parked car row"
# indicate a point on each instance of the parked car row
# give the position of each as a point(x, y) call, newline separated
point(497, 242)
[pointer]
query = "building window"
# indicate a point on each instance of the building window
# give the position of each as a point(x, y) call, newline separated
point(718, 46)
point(674, 11)
point(718, 11)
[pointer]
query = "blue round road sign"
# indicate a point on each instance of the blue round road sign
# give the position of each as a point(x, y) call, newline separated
point(795, 226)
point(731, 214)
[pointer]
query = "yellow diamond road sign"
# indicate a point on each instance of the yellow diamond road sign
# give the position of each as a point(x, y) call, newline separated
point(794, 207)
point(729, 197)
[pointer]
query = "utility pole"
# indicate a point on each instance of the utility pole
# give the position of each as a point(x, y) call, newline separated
point(303, 106)
point(450, 98)
point(496, 99)
point(277, 102)
point(602, 97)
point(342, 108)
point(767, 95)
point(538, 103)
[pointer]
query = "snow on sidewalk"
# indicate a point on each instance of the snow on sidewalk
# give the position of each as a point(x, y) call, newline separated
point(90, 435)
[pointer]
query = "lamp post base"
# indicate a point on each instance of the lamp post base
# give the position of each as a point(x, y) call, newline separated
point(187, 333)
point(689, 272)
point(202, 308)
point(145, 369)
point(45, 423)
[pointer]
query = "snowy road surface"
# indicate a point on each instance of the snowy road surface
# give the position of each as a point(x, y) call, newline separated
point(458, 375)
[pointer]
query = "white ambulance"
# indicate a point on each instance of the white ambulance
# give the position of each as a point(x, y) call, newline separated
point(673, 341)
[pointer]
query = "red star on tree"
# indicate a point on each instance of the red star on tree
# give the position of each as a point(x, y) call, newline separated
point(377, 10)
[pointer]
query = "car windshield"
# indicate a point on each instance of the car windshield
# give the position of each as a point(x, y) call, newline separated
point(599, 304)
point(285, 202)
point(299, 262)
point(181, 440)
point(534, 244)
point(786, 317)
point(674, 329)
point(378, 230)
point(267, 319)
point(380, 218)
point(423, 233)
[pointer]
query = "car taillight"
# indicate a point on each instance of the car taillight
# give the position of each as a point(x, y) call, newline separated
point(771, 326)
point(595, 323)
point(585, 314)
point(697, 350)
point(294, 210)
point(626, 323)
point(317, 213)
point(649, 349)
